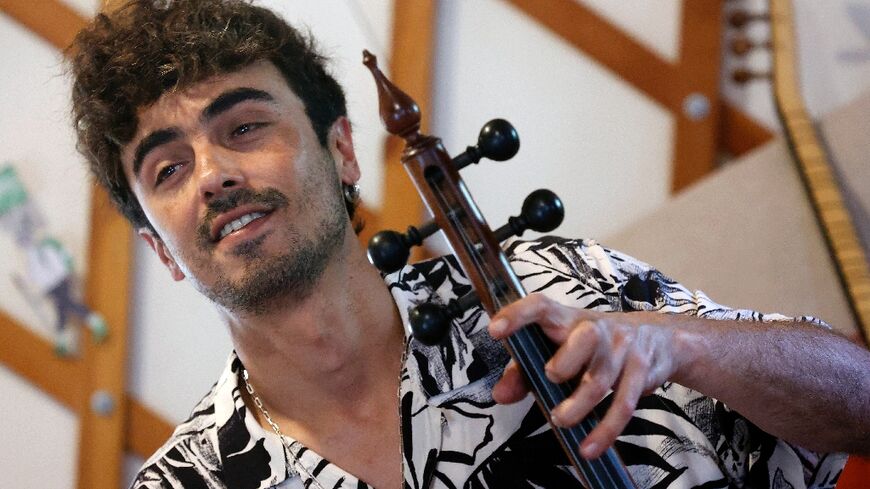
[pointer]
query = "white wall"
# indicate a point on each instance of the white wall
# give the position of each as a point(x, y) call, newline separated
point(603, 146)
point(586, 134)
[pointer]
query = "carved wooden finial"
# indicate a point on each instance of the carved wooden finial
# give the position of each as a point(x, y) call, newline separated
point(399, 112)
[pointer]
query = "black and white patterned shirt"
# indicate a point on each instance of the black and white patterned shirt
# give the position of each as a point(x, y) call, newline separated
point(454, 435)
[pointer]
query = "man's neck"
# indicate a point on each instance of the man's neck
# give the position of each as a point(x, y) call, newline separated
point(334, 355)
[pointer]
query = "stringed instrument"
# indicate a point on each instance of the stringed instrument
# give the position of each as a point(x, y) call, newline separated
point(810, 155)
point(815, 169)
point(478, 250)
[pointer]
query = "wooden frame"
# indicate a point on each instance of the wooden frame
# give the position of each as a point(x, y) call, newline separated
point(697, 140)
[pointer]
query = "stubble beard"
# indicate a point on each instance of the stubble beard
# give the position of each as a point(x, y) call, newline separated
point(290, 277)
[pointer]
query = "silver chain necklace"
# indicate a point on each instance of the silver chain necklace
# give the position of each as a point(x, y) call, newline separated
point(299, 467)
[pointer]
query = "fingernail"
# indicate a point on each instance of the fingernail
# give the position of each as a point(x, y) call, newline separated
point(588, 450)
point(548, 371)
point(498, 327)
point(554, 417)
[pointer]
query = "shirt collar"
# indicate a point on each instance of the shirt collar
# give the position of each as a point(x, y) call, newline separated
point(233, 420)
point(446, 377)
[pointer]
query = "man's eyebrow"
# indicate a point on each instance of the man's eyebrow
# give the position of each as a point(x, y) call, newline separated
point(219, 105)
point(151, 141)
point(229, 99)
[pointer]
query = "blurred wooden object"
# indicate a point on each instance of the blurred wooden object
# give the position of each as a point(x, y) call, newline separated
point(817, 175)
point(411, 60)
point(688, 88)
point(102, 419)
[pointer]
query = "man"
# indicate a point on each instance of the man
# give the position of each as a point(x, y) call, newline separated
point(219, 134)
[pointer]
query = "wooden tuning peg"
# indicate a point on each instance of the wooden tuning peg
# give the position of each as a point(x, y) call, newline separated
point(739, 18)
point(430, 323)
point(498, 141)
point(389, 250)
point(742, 75)
point(542, 212)
point(741, 45)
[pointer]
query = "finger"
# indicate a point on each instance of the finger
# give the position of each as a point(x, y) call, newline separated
point(553, 317)
point(594, 385)
point(633, 382)
point(574, 354)
point(512, 386)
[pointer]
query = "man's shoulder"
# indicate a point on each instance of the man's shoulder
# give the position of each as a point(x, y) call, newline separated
point(215, 447)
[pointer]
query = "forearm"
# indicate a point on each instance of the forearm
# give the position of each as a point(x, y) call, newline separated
point(794, 380)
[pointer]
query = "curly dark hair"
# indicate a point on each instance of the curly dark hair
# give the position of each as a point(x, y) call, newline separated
point(127, 59)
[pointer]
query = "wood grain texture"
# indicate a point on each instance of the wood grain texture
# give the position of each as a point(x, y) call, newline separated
point(32, 358)
point(815, 169)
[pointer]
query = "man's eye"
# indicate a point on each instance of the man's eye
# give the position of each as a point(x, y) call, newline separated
point(247, 128)
point(166, 172)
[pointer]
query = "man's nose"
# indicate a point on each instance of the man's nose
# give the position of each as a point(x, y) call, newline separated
point(217, 174)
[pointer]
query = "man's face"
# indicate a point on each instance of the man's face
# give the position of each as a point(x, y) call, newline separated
point(244, 198)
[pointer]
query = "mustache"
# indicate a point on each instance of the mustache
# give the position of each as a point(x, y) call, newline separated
point(269, 197)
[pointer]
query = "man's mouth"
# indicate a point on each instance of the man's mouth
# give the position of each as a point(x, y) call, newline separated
point(236, 210)
point(239, 223)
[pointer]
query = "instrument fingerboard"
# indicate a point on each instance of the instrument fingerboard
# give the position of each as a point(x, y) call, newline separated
point(815, 168)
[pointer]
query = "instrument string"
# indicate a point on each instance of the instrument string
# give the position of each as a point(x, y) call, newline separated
point(599, 472)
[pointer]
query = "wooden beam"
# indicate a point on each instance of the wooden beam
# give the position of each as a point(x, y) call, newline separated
point(738, 132)
point(696, 142)
point(145, 430)
point(53, 20)
point(697, 73)
point(101, 436)
point(608, 45)
point(32, 357)
point(411, 70)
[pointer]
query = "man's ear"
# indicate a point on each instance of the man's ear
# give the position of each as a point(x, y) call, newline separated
point(341, 146)
point(159, 247)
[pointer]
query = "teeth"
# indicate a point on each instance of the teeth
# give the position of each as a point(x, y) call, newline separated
point(239, 223)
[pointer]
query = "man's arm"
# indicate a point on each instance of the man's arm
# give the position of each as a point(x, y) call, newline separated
point(794, 380)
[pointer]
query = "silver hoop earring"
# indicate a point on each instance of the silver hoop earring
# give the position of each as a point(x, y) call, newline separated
point(351, 193)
